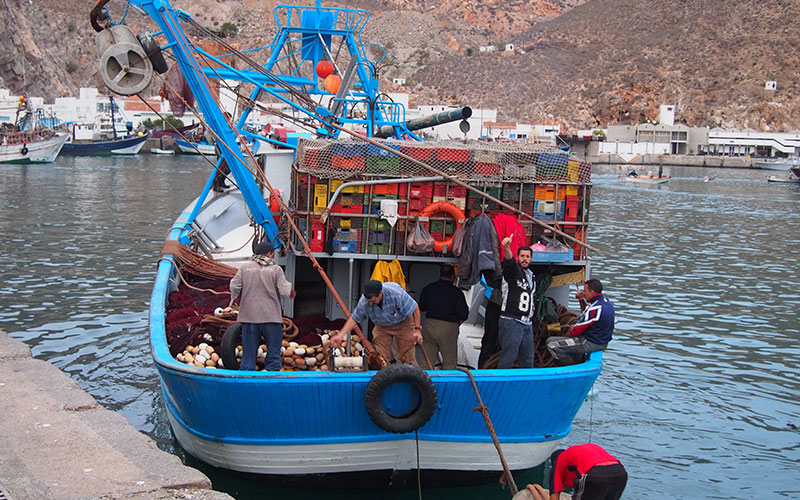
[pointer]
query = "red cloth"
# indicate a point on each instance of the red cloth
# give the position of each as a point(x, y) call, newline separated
point(581, 457)
point(176, 90)
point(507, 225)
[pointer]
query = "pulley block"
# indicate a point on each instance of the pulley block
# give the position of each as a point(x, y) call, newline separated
point(124, 65)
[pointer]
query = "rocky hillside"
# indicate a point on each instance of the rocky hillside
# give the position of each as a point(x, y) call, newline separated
point(584, 63)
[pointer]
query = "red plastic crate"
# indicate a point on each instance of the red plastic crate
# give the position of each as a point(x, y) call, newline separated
point(452, 154)
point(339, 208)
point(312, 158)
point(348, 162)
point(384, 189)
point(316, 240)
point(487, 168)
point(571, 211)
point(418, 153)
point(421, 191)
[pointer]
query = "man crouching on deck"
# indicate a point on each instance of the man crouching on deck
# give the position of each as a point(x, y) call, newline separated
point(396, 316)
point(594, 328)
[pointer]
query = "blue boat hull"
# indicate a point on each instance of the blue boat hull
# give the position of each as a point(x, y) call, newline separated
point(127, 145)
point(299, 426)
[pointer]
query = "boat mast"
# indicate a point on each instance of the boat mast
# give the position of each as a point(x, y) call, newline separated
point(113, 118)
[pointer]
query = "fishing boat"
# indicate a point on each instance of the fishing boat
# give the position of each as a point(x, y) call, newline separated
point(109, 134)
point(782, 164)
point(199, 147)
point(159, 151)
point(647, 179)
point(29, 139)
point(791, 179)
point(357, 187)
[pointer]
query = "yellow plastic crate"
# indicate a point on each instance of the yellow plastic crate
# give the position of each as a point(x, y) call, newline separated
point(320, 197)
point(335, 183)
point(573, 171)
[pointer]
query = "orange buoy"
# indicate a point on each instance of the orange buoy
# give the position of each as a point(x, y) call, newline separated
point(332, 83)
point(451, 210)
point(324, 68)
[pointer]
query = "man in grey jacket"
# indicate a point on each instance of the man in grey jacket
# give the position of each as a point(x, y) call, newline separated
point(261, 283)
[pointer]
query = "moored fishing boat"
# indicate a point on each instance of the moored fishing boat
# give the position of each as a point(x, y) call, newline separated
point(106, 135)
point(200, 147)
point(780, 164)
point(29, 140)
point(355, 201)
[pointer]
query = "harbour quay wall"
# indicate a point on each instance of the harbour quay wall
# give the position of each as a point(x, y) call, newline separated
point(676, 160)
point(58, 442)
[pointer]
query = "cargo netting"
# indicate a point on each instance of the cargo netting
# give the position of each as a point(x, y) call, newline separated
point(543, 182)
point(344, 159)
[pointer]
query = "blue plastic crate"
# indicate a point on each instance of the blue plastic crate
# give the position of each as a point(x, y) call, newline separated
point(345, 246)
point(552, 256)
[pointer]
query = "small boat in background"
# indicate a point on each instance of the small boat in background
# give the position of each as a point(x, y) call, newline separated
point(195, 148)
point(791, 179)
point(159, 151)
point(29, 140)
point(107, 135)
point(709, 178)
point(647, 179)
point(782, 164)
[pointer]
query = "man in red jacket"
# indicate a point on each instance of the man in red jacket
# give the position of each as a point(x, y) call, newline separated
point(591, 471)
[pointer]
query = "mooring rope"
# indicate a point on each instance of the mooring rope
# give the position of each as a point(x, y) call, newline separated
point(485, 412)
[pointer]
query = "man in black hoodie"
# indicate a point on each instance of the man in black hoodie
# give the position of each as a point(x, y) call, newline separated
point(516, 310)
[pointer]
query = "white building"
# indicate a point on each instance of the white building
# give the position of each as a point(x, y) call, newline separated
point(666, 114)
point(751, 143)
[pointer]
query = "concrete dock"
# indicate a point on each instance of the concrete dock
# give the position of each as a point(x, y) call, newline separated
point(57, 442)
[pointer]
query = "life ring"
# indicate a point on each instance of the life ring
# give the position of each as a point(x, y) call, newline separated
point(24, 149)
point(414, 418)
point(230, 339)
point(450, 209)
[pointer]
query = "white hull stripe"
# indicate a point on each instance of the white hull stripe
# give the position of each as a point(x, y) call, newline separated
point(371, 456)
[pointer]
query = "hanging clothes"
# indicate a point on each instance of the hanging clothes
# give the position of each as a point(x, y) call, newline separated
point(481, 250)
point(507, 225)
point(389, 272)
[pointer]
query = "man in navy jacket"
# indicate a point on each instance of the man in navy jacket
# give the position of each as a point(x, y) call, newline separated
point(594, 328)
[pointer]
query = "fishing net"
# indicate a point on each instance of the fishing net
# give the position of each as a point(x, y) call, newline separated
point(343, 159)
point(543, 182)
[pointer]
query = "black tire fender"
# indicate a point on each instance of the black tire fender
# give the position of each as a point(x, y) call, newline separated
point(153, 52)
point(230, 339)
point(417, 416)
point(24, 149)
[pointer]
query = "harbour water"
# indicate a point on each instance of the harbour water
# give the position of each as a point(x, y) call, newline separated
point(700, 389)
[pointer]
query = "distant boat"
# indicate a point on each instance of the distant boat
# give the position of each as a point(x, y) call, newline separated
point(709, 178)
point(782, 164)
point(128, 145)
point(647, 179)
point(27, 141)
point(791, 179)
point(31, 146)
point(195, 148)
point(159, 151)
point(105, 136)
